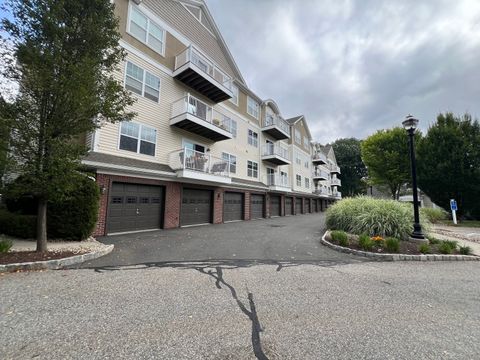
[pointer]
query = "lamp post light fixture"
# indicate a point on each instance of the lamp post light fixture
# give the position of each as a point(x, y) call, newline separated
point(410, 124)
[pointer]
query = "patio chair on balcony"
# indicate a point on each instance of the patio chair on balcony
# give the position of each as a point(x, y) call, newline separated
point(219, 167)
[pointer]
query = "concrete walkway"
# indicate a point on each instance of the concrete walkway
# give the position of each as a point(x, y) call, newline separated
point(87, 245)
point(464, 235)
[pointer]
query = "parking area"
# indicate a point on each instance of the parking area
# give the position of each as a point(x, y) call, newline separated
point(292, 238)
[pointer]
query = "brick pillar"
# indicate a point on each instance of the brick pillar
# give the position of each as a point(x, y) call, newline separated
point(173, 201)
point(218, 206)
point(247, 200)
point(103, 182)
point(282, 205)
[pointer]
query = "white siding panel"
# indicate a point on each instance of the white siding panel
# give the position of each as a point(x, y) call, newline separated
point(180, 19)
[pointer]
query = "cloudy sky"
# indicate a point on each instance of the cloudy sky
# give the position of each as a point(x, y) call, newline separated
point(356, 66)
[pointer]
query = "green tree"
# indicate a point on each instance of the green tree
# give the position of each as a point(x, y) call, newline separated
point(386, 155)
point(4, 136)
point(449, 163)
point(348, 155)
point(65, 54)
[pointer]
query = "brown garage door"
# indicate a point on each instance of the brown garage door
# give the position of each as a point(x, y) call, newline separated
point(275, 205)
point(308, 206)
point(134, 207)
point(298, 206)
point(196, 207)
point(257, 205)
point(288, 206)
point(232, 206)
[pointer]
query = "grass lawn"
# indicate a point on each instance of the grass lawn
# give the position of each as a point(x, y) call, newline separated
point(464, 223)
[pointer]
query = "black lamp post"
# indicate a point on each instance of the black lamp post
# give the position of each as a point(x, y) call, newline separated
point(410, 124)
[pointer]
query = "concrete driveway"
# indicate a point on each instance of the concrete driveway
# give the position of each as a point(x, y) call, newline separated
point(293, 238)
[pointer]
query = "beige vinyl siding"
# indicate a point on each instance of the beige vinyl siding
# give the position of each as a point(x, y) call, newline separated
point(176, 16)
point(295, 169)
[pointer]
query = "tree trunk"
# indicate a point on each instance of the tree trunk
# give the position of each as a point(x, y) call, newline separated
point(42, 225)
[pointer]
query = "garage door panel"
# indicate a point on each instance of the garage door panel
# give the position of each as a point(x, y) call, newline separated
point(232, 206)
point(196, 206)
point(275, 205)
point(131, 208)
point(288, 206)
point(307, 206)
point(257, 206)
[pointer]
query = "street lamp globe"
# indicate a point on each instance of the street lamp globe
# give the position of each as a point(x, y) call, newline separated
point(410, 123)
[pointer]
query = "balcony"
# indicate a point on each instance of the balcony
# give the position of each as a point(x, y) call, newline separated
point(334, 169)
point(321, 191)
point(337, 195)
point(277, 182)
point(335, 182)
point(319, 158)
point(319, 174)
point(198, 166)
point(193, 115)
point(275, 154)
point(201, 74)
point(276, 127)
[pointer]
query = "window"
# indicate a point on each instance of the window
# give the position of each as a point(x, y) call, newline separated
point(298, 137)
point(252, 169)
point(147, 31)
point(306, 162)
point(298, 158)
point(284, 178)
point(299, 180)
point(138, 138)
point(307, 183)
point(231, 125)
point(234, 98)
point(305, 141)
point(252, 138)
point(252, 107)
point(142, 82)
point(232, 159)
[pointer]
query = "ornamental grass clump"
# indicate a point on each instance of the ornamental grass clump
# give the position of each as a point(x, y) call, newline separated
point(365, 242)
point(392, 244)
point(374, 217)
point(465, 250)
point(424, 249)
point(340, 237)
point(433, 215)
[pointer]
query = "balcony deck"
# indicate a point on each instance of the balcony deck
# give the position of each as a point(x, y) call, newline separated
point(276, 155)
point(193, 115)
point(194, 165)
point(276, 127)
point(319, 174)
point(319, 158)
point(199, 73)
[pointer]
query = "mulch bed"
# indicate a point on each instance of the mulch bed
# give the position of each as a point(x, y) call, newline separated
point(30, 256)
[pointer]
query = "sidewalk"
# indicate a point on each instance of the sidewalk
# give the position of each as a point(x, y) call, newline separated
point(464, 236)
point(88, 245)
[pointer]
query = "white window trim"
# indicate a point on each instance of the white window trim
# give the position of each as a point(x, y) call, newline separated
point(164, 38)
point(238, 92)
point(258, 107)
point(248, 137)
point(229, 161)
point(139, 138)
point(258, 169)
point(143, 81)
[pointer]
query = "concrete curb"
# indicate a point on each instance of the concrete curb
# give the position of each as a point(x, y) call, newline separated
point(397, 257)
point(57, 263)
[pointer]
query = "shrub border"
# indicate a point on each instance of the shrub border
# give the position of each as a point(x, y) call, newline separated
point(397, 257)
point(57, 263)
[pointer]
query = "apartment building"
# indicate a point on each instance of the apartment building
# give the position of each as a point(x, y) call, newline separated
point(204, 148)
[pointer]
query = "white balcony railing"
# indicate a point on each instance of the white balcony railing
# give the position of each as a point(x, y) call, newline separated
point(319, 173)
point(334, 168)
point(188, 159)
point(278, 180)
point(275, 150)
point(336, 181)
point(337, 195)
point(278, 121)
point(321, 191)
point(191, 105)
point(207, 66)
point(319, 156)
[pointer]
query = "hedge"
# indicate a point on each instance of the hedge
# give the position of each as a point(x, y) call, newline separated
point(73, 218)
point(18, 225)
